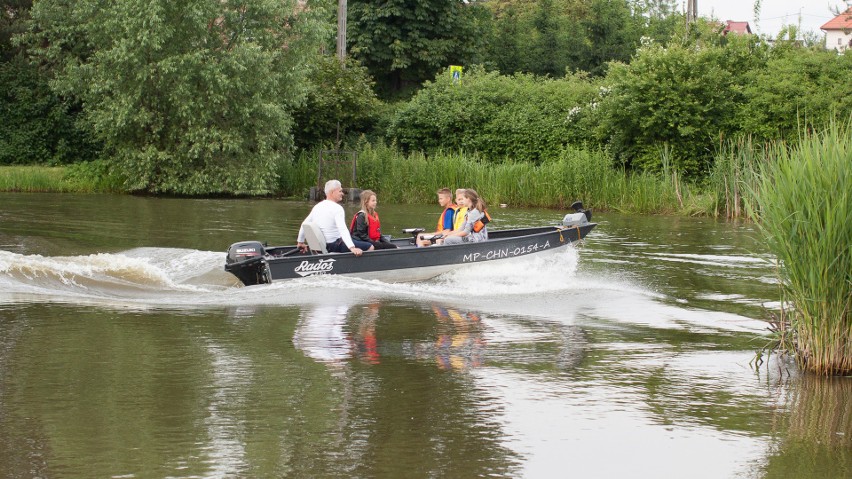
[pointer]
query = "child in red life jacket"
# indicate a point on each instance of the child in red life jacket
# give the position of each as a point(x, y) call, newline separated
point(365, 224)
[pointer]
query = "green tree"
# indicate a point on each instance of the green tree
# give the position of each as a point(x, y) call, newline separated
point(612, 34)
point(340, 102)
point(189, 97)
point(660, 19)
point(38, 126)
point(503, 50)
point(405, 42)
point(13, 16)
point(677, 98)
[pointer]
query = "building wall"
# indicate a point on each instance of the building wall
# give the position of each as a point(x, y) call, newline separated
point(837, 40)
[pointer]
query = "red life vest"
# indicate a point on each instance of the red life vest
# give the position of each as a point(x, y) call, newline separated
point(452, 207)
point(374, 227)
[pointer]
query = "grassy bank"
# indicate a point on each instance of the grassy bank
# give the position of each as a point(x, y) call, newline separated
point(587, 175)
point(33, 179)
point(803, 200)
point(90, 177)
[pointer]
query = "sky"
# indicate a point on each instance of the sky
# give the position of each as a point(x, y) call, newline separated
point(773, 13)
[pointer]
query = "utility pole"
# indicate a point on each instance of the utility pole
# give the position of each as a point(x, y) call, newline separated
point(341, 30)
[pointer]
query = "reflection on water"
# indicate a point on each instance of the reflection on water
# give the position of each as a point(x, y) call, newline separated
point(126, 351)
point(319, 334)
point(816, 432)
point(460, 344)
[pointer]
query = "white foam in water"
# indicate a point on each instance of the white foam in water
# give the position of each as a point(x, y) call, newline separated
point(545, 286)
point(124, 276)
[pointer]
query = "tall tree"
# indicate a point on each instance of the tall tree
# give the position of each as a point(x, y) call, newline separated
point(612, 34)
point(405, 42)
point(38, 126)
point(189, 97)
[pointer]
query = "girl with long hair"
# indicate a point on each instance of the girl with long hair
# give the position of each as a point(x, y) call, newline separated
point(366, 226)
point(474, 228)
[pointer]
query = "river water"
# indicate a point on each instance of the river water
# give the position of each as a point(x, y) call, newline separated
point(126, 351)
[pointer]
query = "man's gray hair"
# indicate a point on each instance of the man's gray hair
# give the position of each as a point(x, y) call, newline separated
point(331, 185)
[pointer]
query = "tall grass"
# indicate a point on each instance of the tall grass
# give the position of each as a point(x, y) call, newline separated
point(804, 203)
point(587, 175)
point(32, 179)
point(89, 177)
point(735, 175)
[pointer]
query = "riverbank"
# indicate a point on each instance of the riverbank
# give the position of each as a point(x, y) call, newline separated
point(413, 179)
point(590, 175)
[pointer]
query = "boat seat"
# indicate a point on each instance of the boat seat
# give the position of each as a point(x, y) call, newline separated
point(314, 238)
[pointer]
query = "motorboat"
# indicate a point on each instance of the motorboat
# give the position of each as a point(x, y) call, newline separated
point(253, 262)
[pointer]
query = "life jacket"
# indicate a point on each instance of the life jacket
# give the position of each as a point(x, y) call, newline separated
point(452, 208)
point(374, 231)
point(458, 222)
point(481, 222)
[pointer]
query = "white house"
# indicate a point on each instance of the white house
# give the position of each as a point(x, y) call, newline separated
point(838, 32)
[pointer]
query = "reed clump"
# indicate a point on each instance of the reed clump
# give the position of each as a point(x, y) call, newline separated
point(735, 176)
point(803, 200)
point(585, 174)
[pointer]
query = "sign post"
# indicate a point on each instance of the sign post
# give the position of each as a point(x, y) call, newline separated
point(456, 73)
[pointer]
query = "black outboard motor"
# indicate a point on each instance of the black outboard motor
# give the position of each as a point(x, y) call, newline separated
point(245, 261)
point(246, 250)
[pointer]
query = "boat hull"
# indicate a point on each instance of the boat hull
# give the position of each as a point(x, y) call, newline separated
point(408, 262)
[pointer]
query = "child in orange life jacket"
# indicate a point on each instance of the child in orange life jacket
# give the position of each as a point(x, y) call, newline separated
point(445, 221)
point(365, 224)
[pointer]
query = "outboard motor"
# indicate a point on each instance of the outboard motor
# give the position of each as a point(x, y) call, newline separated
point(246, 250)
point(245, 261)
point(581, 217)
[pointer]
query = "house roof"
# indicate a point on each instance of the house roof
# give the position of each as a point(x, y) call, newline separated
point(840, 22)
point(737, 27)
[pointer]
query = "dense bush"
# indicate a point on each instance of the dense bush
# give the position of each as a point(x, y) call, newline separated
point(38, 126)
point(520, 117)
point(675, 98)
point(797, 87)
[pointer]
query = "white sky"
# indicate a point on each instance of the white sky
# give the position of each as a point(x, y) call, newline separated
point(773, 13)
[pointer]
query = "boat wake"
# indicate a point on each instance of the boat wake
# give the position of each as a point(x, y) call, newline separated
point(544, 286)
point(169, 276)
point(142, 274)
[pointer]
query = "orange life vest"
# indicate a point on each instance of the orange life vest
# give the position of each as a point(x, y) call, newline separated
point(481, 222)
point(452, 207)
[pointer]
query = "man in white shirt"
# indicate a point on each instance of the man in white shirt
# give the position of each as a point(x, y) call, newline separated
point(330, 217)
